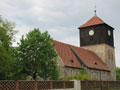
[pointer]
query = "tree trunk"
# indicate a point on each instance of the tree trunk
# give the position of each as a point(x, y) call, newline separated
point(34, 76)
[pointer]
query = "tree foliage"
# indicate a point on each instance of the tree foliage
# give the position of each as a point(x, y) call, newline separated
point(77, 77)
point(36, 56)
point(118, 73)
point(83, 70)
point(4, 38)
point(6, 58)
point(9, 28)
point(5, 63)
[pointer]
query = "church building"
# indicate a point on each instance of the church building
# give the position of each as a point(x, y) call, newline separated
point(96, 52)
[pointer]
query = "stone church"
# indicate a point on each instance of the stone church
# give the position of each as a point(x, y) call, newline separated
point(96, 52)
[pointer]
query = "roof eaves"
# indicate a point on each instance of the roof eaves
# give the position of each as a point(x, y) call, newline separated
point(72, 67)
point(90, 26)
point(99, 69)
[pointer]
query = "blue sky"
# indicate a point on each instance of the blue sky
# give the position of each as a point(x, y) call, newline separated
point(61, 17)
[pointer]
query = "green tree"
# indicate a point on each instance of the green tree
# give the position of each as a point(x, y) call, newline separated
point(5, 62)
point(7, 32)
point(36, 56)
point(6, 55)
point(118, 73)
point(4, 38)
point(9, 28)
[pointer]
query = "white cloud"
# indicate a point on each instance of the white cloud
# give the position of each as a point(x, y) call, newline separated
point(36, 10)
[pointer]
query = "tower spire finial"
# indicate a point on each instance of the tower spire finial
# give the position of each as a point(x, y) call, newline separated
point(95, 9)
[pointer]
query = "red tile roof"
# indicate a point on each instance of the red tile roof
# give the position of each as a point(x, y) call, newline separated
point(90, 59)
point(93, 21)
point(67, 53)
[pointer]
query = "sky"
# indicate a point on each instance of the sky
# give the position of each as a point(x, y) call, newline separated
point(61, 18)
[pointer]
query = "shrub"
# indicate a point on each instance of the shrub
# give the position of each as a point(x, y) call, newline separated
point(77, 77)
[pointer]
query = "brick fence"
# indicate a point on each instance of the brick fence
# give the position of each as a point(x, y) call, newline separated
point(97, 84)
point(59, 85)
point(35, 85)
point(100, 85)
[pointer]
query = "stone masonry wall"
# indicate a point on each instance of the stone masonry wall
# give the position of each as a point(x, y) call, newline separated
point(66, 71)
point(98, 75)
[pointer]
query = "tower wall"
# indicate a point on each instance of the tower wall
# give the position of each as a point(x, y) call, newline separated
point(107, 54)
point(100, 35)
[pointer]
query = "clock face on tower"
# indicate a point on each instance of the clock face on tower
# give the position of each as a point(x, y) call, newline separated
point(91, 32)
point(109, 33)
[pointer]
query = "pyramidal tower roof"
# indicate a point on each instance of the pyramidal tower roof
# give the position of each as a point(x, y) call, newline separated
point(95, 20)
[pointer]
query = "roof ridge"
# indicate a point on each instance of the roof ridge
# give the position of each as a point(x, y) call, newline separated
point(72, 45)
point(60, 42)
point(67, 44)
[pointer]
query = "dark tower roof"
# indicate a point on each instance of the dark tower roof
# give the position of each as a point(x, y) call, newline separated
point(93, 21)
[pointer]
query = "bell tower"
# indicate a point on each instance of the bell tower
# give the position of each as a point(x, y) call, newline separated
point(96, 31)
point(97, 36)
